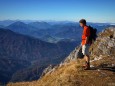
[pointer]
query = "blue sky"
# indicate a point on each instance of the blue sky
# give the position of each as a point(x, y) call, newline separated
point(71, 10)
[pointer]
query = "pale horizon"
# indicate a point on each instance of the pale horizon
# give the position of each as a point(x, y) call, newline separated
point(101, 11)
point(53, 21)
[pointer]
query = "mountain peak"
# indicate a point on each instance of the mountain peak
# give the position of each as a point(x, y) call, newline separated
point(18, 23)
point(18, 26)
point(40, 22)
point(40, 25)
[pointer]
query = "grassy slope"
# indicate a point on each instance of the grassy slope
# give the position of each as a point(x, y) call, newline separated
point(72, 74)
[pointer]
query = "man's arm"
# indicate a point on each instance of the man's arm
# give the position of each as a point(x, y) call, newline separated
point(87, 34)
point(87, 40)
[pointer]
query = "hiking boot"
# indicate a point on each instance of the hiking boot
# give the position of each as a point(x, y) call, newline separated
point(86, 66)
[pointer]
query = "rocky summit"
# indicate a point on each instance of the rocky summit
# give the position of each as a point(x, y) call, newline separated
point(70, 72)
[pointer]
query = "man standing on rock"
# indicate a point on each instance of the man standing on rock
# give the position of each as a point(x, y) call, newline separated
point(85, 43)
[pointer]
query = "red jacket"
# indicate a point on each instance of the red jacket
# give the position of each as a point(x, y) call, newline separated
point(86, 33)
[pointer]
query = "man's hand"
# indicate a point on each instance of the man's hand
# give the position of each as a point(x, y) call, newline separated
point(81, 44)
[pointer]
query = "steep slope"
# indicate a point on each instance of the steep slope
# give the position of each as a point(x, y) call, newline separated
point(70, 72)
point(30, 48)
point(23, 52)
point(8, 66)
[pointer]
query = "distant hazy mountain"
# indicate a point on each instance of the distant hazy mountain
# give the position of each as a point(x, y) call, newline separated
point(40, 25)
point(2, 26)
point(22, 52)
point(21, 27)
point(42, 29)
point(49, 38)
point(53, 32)
point(7, 22)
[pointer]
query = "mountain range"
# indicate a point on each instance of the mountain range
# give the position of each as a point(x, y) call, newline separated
point(26, 49)
point(52, 32)
point(21, 52)
point(70, 72)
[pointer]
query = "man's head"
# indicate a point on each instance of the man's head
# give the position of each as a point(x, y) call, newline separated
point(82, 22)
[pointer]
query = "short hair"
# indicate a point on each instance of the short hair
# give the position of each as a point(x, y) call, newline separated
point(83, 21)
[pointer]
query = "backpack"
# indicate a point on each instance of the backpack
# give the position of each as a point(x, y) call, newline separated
point(93, 34)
